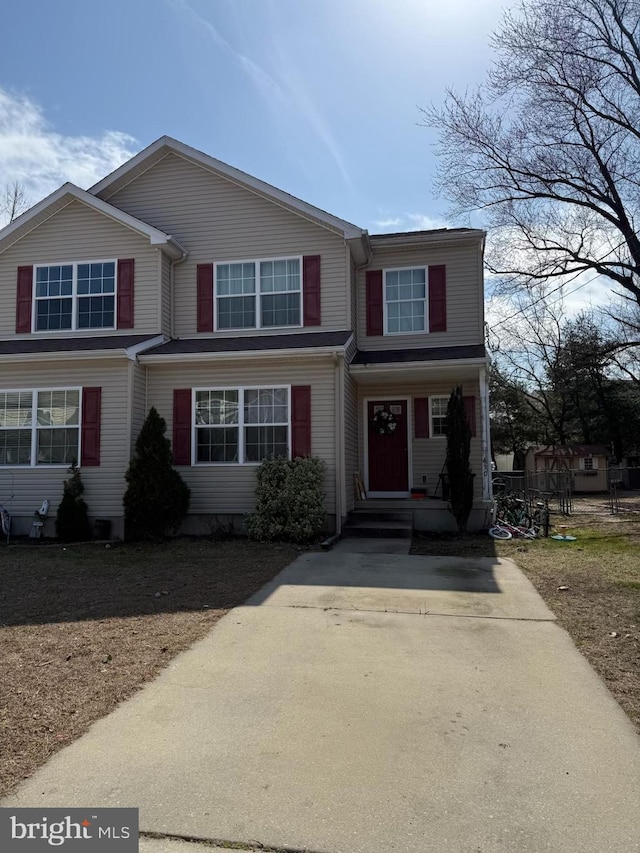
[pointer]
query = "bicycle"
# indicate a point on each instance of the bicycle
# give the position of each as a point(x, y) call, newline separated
point(502, 529)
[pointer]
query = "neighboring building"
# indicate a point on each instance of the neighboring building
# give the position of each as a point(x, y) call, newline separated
point(255, 323)
point(586, 464)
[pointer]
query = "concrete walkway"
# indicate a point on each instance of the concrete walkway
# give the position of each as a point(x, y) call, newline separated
point(367, 701)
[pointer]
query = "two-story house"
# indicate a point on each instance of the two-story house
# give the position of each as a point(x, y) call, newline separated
point(254, 322)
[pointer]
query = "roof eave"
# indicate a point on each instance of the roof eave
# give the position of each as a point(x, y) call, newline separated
point(411, 238)
point(399, 366)
point(64, 355)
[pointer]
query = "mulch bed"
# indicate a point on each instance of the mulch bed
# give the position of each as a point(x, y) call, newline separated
point(82, 627)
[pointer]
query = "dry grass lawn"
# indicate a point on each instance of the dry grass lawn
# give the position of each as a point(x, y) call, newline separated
point(592, 584)
point(83, 627)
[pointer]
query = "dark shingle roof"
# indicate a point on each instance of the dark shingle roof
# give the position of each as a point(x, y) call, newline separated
point(251, 343)
point(572, 450)
point(397, 356)
point(44, 345)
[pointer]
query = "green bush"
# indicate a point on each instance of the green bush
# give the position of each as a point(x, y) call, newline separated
point(290, 501)
point(72, 521)
point(157, 498)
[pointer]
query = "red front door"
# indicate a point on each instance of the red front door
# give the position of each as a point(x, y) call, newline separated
point(389, 453)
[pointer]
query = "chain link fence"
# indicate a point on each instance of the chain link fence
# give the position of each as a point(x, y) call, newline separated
point(559, 487)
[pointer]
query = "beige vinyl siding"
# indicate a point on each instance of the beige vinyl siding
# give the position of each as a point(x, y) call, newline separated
point(217, 220)
point(78, 233)
point(219, 489)
point(104, 484)
point(428, 454)
point(465, 312)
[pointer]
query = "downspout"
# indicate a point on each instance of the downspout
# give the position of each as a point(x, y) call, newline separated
point(357, 268)
point(338, 407)
point(131, 366)
point(172, 295)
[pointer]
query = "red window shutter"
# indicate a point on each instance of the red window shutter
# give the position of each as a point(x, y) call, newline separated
point(311, 290)
point(469, 404)
point(374, 303)
point(300, 420)
point(91, 416)
point(182, 426)
point(421, 417)
point(438, 299)
point(24, 299)
point(125, 293)
point(205, 297)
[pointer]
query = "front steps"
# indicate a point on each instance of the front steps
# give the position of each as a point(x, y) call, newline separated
point(377, 522)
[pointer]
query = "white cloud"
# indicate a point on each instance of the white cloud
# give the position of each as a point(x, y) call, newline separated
point(388, 223)
point(40, 159)
point(410, 222)
point(423, 222)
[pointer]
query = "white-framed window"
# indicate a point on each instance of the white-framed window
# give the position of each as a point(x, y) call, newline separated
point(75, 296)
point(588, 463)
point(40, 427)
point(438, 415)
point(259, 294)
point(405, 301)
point(241, 425)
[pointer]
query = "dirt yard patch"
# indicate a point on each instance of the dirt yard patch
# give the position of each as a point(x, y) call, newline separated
point(592, 584)
point(83, 627)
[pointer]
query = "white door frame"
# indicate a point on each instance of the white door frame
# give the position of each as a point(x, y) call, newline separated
point(365, 430)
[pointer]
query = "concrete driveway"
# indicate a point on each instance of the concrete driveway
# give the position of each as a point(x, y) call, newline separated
point(368, 701)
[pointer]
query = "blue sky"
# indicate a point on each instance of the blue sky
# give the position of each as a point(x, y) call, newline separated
point(318, 97)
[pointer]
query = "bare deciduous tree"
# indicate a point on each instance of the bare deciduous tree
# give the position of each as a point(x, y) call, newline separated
point(13, 202)
point(562, 378)
point(549, 147)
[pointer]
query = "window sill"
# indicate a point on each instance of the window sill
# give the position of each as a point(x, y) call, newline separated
point(254, 329)
point(386, 334)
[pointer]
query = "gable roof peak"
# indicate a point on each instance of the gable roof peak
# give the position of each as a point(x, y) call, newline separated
point(69, 192)
point(167, 144)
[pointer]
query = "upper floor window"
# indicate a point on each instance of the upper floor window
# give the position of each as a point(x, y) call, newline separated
point(39, 427)
point(259, 294)
point(241, 425)
point(405, 300)
point(75, 296)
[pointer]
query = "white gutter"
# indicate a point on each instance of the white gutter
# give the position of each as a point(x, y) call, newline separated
point(249, 355)
point(136, 349)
